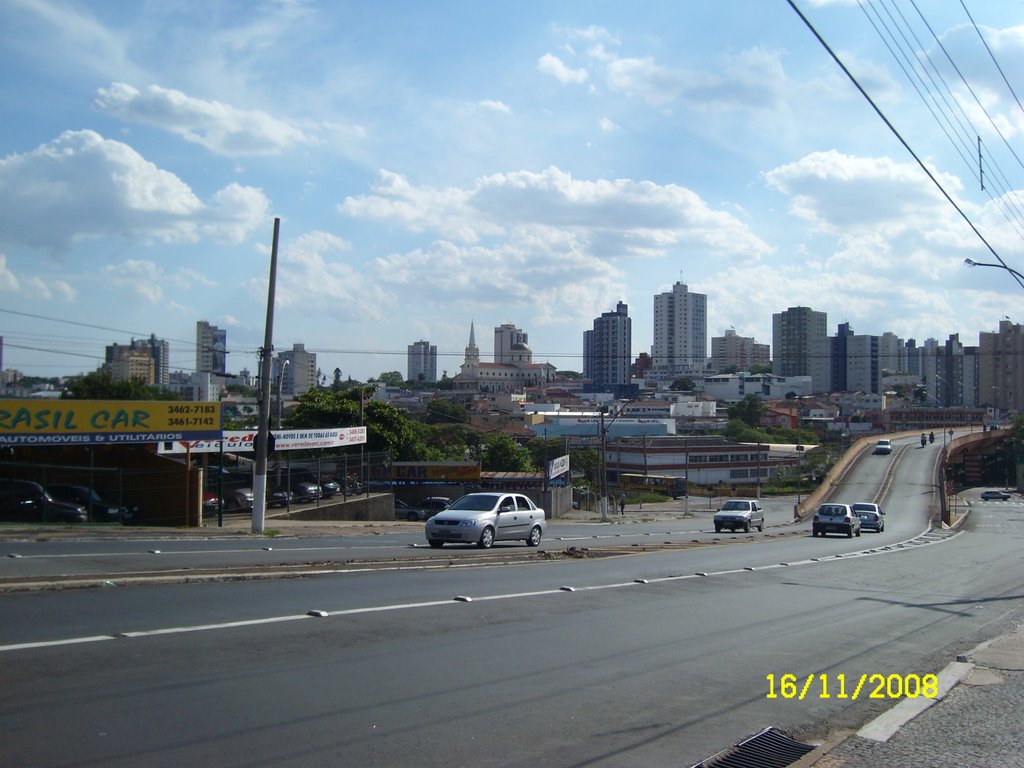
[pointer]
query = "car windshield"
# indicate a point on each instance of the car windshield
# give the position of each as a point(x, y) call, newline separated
point(735, 506)
point(477, 502)
point(864, 507)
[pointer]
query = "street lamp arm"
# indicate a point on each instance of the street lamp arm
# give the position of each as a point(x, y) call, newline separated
point(1011, 270)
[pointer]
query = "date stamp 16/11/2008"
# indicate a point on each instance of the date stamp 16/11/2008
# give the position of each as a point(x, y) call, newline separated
point(839, 686)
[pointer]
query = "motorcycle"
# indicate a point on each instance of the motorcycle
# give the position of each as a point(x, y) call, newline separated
point(924, 440)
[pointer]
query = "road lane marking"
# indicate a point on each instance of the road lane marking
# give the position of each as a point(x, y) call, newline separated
point(635, 583)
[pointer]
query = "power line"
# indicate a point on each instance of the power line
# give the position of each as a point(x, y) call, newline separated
point(900, 138)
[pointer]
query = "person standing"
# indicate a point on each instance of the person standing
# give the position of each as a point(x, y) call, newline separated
point(622, 503)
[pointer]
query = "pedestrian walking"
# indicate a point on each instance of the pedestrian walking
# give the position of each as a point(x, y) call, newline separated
point(622, 503)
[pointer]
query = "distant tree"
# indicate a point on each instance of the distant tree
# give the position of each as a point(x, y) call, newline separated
point(502, 454)
point(757, 369)
point(391, 379)
point(748, 410)
point(568, 375)
point(445, 383)
point(100, 385)
point(441, 411)
point(730, 369)
point(683, 384)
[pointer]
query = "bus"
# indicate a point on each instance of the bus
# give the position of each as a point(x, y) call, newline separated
point(666, 484)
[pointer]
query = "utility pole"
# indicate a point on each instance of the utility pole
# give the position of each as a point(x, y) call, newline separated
point(259, 484)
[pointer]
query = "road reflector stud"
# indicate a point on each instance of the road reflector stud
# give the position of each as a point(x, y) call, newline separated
point(463, 599)
point(317, 614)
point(567, 589)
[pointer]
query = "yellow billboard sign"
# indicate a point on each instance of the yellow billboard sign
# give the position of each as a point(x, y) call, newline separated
point(102, 422)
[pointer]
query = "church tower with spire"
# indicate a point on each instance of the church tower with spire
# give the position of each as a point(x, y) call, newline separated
point(472, 350)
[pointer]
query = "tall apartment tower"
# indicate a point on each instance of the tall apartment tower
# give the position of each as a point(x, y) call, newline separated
point(793, 335)
point(507, 336)
point(296, 370)
point(421, 361)
point(680, 331)
point(608, 350)
point(1001, 374)
point(741, 352)
point(211, 348)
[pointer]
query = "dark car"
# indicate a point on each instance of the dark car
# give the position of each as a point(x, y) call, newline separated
point(995, 496)
point(98, 509)
point(328, 487)
point(423, 509)
point(25, 501)
point(280, 497)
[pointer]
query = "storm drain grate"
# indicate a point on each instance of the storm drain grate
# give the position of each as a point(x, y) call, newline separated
point(770, 748)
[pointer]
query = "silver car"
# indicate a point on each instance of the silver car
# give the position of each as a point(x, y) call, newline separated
point(483, 518)
point(740, 514)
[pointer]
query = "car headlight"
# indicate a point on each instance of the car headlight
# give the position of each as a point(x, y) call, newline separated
point(468, 524)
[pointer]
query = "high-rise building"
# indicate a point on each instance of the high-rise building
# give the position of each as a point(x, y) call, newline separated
point(507, 336)
point(421, 361)
point(211, 348)
point(130, 363)
point(739, 352)
point(607, 350)
point(793, 332)
point(295, 370)
point(680, 331)
point(1001, 375)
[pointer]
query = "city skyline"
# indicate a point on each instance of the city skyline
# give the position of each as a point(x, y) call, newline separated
point(454, 163)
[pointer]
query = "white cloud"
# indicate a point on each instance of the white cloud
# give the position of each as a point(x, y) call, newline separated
point(150, 281)
point(219, 127)
point(83, 186)
point(607, 125)
point(550, 64)
point(610, 218)
point(316, 278)
point(495, 106)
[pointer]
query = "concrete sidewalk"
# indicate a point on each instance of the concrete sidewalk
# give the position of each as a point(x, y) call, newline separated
point(978, 723)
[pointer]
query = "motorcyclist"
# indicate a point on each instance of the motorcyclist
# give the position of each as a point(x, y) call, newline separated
point(931, 437)
point(924, 439)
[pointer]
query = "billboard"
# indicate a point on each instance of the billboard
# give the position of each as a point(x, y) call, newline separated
point(241, 441)
point(106, 422)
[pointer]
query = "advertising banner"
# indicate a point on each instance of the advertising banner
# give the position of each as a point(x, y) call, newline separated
point(241, 441)
point(105, 422)
point(558, 466)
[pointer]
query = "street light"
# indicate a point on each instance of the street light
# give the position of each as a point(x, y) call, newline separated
point(1011, 270)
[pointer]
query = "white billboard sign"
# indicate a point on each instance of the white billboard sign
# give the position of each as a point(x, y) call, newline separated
point(558, 466)
point(284, 440)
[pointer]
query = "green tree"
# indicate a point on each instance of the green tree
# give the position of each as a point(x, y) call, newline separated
point(324, 408)
point(683, 384)
point(441, 411)
point(100, 385)
point(749, 410)
point(740, 432)
point(503, 454)
point(543, 451)
point(391, 379)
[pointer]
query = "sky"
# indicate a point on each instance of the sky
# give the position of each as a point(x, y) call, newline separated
point(530, 162)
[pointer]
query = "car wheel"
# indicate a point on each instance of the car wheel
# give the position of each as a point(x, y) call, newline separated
point(718, 529)
point(849, 533)
point(534, 540)
point(858, 532)
point(486, 538)
point(746, 527)
point(760, 528)
point(412, 517)
point(881, 527)
point(435, 543)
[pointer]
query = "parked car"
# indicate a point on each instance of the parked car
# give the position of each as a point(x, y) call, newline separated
point(740, 514)
point(423, 509)
point(995, 496)
point(835, 518)
point(870, 516)
point(483, 518)
point(238, 499)
point(279, 497)
point(25, 501)
point(327, 486)
point(305, 491)
point(883, 447)
point(98, 509)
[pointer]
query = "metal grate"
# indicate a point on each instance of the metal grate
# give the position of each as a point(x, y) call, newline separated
point(770, 748)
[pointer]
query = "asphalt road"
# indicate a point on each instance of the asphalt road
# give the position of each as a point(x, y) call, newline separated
point(618, 661)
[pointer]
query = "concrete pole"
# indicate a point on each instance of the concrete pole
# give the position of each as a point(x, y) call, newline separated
point(259, 484)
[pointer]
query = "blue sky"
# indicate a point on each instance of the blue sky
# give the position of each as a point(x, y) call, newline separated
point(530, 162)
